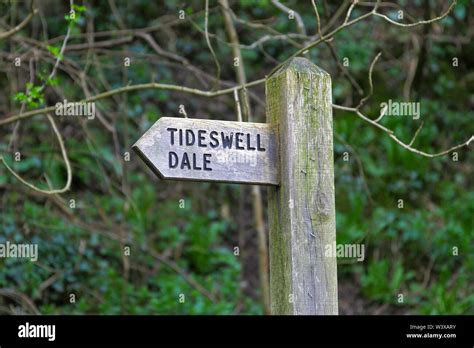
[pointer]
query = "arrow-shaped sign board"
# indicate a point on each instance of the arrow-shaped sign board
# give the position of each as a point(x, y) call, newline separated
point(207, 150)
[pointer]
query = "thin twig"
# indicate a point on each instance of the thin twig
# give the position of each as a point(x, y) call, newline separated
point(317, 17)
point(391, 134)
point(375, 13)
point(371, 85)
point(206, 34)
point(299, 20)
point(13, 31)
point(416, 134)
point(348, 14)
point(237, 105)
point(130, 88)
point(66, 161)
point(63, 46)
point(359, 165)
point(352, 22)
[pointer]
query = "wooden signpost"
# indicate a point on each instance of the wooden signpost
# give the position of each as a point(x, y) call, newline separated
point(207, 150)
point(293, 153)
point(301, 211)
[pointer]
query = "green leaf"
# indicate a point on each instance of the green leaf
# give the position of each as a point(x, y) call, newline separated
point(55, 51)
point(20, 97)
point(52, 82)
point(79, 8)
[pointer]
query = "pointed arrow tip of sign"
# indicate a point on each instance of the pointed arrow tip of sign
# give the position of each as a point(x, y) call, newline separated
point(208, 150)
point(138, 149)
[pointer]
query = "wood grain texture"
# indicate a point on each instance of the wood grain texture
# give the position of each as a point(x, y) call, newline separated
point(302, 218)
point(251, 158)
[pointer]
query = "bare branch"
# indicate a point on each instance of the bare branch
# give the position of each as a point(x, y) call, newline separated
point(317, 17)
point(206, 34)
point(431, 155)
point(130, 88)
point(66, 162)
point(344, 70)
point(397, 140)
point(359, 165)
point(24, 23)
point(354, 21)
point(371, 85)
point(348, 14)
point(382, 114)
point(237, 105)
point(63, 47)
point(375, 13)
point(299, 20)
point(416, 134)
point(273, 34)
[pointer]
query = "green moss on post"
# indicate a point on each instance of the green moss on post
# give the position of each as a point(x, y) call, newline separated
point(302, 216)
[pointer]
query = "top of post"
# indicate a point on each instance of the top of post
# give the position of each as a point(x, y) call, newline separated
point(299, 65)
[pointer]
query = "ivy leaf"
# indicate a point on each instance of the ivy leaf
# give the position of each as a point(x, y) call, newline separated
point(20, 97)
point(33, 97)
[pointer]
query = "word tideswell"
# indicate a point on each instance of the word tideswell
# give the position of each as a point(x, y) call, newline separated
point(212, 139)
point(86, 109)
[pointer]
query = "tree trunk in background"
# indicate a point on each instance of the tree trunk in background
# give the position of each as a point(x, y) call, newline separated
point(256, 192)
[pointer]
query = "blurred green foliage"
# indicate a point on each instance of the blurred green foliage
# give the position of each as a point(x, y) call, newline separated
point(89, 265)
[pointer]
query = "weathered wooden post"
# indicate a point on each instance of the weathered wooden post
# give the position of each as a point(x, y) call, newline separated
point(302, 217)
point(293, 154)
